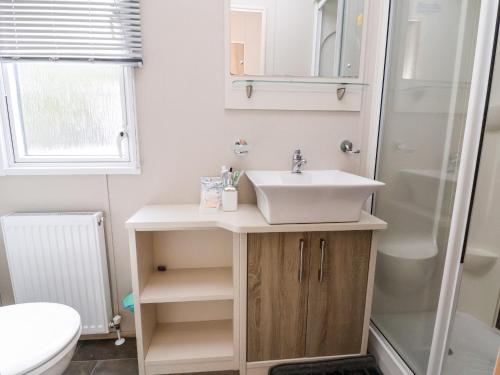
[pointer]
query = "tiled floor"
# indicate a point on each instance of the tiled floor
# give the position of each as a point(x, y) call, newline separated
point(104, 367)
point(102, 357)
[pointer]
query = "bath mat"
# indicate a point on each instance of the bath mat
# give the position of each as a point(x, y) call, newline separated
point(363, 365)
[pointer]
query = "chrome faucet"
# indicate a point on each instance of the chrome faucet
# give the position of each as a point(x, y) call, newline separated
point(298, 162)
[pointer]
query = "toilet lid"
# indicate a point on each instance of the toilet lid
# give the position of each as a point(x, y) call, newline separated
point(33, 333)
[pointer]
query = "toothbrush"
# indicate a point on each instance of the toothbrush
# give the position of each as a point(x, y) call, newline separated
point(230, 177)
point(236, 177)
point(224, 175)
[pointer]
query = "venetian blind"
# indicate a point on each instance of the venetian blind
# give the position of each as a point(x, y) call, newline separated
point(89, 30)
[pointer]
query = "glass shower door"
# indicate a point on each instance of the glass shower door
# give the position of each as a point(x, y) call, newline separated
point(474, 343)
point(428, 72)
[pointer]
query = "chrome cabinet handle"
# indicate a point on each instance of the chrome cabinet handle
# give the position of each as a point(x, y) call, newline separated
point(301, 268)
point(322, 258)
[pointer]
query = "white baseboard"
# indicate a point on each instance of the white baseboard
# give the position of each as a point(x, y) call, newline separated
point(387, 359)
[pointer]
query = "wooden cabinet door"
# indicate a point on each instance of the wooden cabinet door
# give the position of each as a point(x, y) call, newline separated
point(337, 292)
point(277, 295)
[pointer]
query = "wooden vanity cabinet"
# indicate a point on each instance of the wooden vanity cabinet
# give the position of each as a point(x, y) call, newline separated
point(277, 295)
point(337, 292)
point(242, 294)
point(306, 294)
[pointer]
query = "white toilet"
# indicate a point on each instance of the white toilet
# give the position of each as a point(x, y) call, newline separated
point(37, 338)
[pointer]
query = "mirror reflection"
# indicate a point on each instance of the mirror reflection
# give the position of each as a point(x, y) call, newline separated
point(303, 38)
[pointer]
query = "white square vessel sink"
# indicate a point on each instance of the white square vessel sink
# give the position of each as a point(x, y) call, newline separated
point(327, 196)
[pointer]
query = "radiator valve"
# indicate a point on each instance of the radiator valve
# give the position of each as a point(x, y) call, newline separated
point(115, 323)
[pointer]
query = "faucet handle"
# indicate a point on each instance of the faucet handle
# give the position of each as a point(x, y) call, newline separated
point(298, 161)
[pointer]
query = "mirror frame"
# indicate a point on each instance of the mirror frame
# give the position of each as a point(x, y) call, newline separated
point(293, 92)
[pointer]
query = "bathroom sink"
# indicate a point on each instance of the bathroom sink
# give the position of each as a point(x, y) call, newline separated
point(325, 196)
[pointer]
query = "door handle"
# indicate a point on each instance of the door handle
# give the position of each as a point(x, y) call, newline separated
point(322, 258)
point(301, 267)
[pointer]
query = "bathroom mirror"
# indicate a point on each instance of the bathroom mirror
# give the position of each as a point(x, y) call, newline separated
point(298, 38)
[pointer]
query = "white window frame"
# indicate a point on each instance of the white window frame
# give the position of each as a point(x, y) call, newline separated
point(12, 164)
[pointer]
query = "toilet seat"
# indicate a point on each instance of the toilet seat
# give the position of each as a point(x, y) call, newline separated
point(31, 334)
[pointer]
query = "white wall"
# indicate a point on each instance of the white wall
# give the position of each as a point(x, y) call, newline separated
point(185, 133)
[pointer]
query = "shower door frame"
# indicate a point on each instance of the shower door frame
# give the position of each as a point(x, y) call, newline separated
point(389, 359)
point(467, 175)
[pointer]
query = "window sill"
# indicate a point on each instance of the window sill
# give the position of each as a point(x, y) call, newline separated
point(69, 170)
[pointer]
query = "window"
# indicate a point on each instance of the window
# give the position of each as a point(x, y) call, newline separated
point(67, 112)
point(67, 72)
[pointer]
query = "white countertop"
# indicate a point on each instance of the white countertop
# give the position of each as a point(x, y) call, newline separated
point(247, 219)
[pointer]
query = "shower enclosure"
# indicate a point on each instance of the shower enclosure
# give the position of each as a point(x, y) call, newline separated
point(435, 89)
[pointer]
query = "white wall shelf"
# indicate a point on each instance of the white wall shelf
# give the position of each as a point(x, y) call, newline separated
point(183, 346)
point(247, 219)
point(185, 285)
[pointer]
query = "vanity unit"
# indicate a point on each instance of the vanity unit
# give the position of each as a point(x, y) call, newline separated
point(241, 294)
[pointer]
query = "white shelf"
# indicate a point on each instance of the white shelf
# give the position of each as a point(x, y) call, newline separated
point(247, 219)
point(185, 285)
point(191, 344)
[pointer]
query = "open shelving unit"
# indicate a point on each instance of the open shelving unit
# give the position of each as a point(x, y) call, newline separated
point(188, 342)
point(186, 316)
point(192, 317)
point(190, 284)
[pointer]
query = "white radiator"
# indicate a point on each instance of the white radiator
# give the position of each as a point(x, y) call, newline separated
point(60, 257)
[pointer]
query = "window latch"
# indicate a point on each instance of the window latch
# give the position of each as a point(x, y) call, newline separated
point(119, 141)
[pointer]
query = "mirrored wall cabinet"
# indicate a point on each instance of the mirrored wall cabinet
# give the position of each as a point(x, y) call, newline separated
point(295, 54)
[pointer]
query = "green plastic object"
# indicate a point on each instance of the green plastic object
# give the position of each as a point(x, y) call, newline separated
point(128, 302)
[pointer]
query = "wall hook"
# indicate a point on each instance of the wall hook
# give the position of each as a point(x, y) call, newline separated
point(340, 93)
point(249, 90)
point(347, 147)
